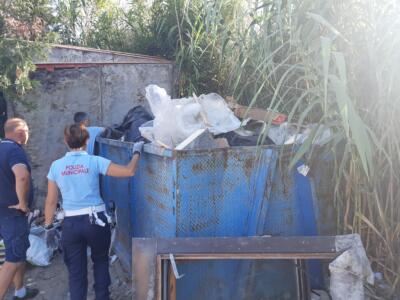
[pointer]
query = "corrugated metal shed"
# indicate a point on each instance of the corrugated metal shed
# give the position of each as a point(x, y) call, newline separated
point(71, 57)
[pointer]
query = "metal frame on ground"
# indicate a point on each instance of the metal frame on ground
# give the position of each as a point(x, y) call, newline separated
point(154, 279)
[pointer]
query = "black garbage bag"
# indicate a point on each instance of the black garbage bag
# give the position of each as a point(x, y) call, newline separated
point(235, 139)
point(112, 133)
point(254, 130)
point(129, 128)
point(132, 121)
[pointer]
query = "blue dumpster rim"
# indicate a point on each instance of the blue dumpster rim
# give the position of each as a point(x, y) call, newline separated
point(160, 151)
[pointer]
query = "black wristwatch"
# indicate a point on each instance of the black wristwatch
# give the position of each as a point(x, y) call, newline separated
point(49, 226)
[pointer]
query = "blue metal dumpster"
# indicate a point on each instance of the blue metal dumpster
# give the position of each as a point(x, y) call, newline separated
point(219, 192)
point(205, 193)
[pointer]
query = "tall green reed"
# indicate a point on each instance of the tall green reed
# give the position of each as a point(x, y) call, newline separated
point(323, 62)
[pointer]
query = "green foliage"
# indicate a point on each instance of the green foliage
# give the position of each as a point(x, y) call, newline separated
point(149, 36)
point(324, 62)
point(109, 30)
point(74, 18)
point(15, 65)
point(28, 11)
point(23, 37)
point(92, 23)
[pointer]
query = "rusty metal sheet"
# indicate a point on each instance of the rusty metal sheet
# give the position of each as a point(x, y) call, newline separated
point(250, 245)
point(144, 268)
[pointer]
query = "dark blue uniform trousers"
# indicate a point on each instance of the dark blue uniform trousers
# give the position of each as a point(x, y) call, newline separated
point(78, 233)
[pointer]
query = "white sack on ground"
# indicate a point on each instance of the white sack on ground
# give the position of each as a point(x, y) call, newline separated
point(38, 253)
point(43, 243)
point(350, 270)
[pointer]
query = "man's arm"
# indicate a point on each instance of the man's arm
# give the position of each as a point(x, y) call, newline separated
point(22, 186)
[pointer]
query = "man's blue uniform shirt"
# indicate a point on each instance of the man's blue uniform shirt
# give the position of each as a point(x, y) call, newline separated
point(11, 154)
point(93, 133)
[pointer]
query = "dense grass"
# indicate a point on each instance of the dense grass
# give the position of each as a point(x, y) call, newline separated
point(325, 62)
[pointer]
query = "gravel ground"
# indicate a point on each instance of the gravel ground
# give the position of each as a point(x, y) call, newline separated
point(52, 281)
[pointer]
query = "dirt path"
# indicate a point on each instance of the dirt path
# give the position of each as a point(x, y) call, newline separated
point(52, 281)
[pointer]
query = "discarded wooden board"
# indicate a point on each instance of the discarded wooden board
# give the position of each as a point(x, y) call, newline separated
point(244, 112)
point(200, 139)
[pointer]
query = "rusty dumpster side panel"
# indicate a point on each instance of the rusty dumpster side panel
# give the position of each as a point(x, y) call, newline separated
point(201, 193)
point(221, 193)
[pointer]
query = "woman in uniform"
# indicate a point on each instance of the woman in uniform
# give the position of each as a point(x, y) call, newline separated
point(76, 175)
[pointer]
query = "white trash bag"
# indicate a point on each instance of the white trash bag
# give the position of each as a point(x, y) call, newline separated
point(43, 243)
point(38, 253)
point(177, 119)
point(147, 131)
point(173, 123)
point(219, 116)
point(350, 270)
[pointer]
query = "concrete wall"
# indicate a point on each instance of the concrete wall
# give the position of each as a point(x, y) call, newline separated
point(106, 92)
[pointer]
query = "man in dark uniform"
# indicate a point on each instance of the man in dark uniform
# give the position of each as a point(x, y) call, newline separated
point(15, 197)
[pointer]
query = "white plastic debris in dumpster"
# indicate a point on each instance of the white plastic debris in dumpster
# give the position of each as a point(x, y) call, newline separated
point(176, 119)
point(288, 134)
point(218, 115)
point(172, 123)
point(350, 270)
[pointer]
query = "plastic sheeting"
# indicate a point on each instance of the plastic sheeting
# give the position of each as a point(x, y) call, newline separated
point(288, 134)
point(43, 243)
point(177, 119)
point(38, 253)
point(219, 117)
point(350, 270)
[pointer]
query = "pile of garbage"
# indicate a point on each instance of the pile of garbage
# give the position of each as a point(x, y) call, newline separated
point(208, 121)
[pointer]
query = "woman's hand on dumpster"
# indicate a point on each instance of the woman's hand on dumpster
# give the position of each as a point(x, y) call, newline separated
point(128, 170)
point(137, 147)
